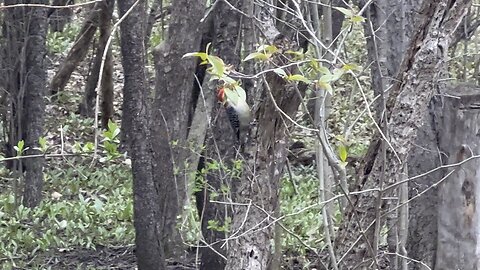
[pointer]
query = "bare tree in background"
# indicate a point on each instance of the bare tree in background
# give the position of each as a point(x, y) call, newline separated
point(23, 54)
point(87, 106)
point(59, 17)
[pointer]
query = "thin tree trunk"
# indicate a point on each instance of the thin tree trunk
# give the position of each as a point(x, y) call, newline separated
point(58, 18)
point(86, 107)
point(265, 156)
point(157, 8)
point(78, 51)
point(34, 104)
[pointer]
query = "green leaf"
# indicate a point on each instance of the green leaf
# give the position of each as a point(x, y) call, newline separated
point(267, 49)
point(21, 144)
point(98, 205)
point(238, 93)
point(42, 142)
point(327, 78)
point(298, 77)
point(113, 130)
point(337, 74)
point(202, 55)
point(357, 19)
point(345, 11)
point(343, 152)
point(280, 72)
point(88, 147)
point(325, 86)
point(63, 224)
point(19, 147)
point(229, 80)
point(296, 53)
point(323, 70)
point(351, 66)
point(218, 67)
point(257, 55)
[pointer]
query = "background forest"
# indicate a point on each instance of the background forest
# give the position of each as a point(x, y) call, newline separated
point(361, 150)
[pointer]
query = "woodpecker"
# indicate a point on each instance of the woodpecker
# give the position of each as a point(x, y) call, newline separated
point(238, 114)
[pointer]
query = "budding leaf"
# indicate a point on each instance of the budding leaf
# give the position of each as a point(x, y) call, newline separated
point(202, 55)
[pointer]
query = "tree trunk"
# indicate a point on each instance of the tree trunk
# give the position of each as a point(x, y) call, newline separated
point(58, 18)
point(422, 225)
point(174, 81)
point(457, 245)
point(155, 10)
point(13, 63)
point(24, 79)
point(387, 36)
point(148, 237)
point(221, 145)
point(34, 104)
point(419, 76)
point(78, 51)
point(265, 156)
point(87, 107)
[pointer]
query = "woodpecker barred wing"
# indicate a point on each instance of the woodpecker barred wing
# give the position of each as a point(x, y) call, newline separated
point(234, 122)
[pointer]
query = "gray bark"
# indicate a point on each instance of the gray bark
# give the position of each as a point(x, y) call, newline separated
point(58, 18)
point(34, 104)
point(24, 81)
point(388, 30)
point(420, 77)
point(458, 220)
point(221, 144)
point(265, 156)
point(87, 106)
point(148, 238)
point(422, 226)
point(174, 79)
point(78, 51)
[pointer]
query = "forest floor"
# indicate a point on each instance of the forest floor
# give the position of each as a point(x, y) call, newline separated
point(123, 258)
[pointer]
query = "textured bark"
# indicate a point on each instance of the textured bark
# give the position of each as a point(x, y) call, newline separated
point(58, 18)
point(174, 79)
point(87, 107)
point(155, 10)
point(418, 79)
point(148, 237)
point(221, 144)
point(265, 156)
point(13, 64)
point(34, 104)
point(457, 246)
point(24, 79)
point(78, 51)
point(387, 35)
point(422, 226)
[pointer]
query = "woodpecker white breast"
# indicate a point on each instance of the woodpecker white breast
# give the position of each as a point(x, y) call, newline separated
point(238, 114)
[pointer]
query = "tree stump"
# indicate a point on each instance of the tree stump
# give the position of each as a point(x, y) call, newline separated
point(442, 221)
point(458, 133)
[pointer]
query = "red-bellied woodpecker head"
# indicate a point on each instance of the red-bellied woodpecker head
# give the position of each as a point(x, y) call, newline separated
point(221, 95)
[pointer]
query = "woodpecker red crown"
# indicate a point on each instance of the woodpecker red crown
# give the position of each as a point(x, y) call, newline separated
point(221, 94)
